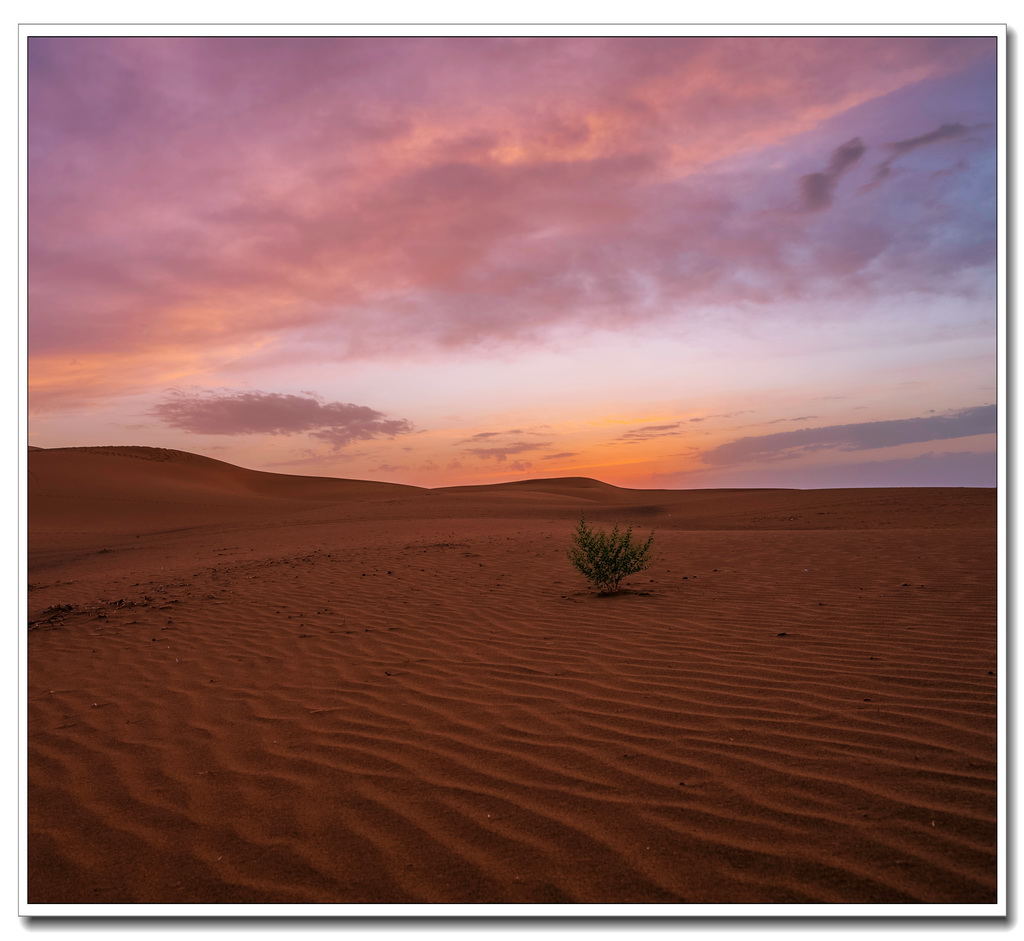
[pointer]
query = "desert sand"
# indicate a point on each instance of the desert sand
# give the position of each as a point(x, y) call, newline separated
point(250, 688)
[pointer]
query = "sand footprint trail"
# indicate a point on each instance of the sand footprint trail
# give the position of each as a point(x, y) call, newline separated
point(373, 698)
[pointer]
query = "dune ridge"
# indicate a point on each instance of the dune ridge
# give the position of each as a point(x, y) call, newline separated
point(269, 689)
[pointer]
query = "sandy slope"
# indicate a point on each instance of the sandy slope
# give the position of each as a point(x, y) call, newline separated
point(250, 687)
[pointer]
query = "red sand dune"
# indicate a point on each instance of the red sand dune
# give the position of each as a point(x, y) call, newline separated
point(249, 687)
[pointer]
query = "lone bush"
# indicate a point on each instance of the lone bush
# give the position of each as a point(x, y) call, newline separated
point(607, 558)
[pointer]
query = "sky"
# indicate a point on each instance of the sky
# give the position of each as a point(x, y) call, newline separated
point(664, 262)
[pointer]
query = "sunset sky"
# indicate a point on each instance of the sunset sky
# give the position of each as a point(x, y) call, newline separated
point(661, 262)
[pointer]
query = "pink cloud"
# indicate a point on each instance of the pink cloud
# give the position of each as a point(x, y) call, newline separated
point(286, 199)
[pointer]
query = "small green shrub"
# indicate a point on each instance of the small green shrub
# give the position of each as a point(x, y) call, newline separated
point(607, 558)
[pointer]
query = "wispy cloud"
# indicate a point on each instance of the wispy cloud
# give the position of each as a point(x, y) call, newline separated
point(500, 453)
point(488, 435)
point(274, 413)
point(701, 418)
point(798, 418)
point(647, 432)
point(854, 437)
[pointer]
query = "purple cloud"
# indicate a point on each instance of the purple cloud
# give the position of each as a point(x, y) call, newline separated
point(855, 437)
point(276, 413)
point(945, 132)
point(954, 131)
point(933, 469)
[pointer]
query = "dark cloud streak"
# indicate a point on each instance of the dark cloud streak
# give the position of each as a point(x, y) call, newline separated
point(818, 189)
point(945, 132)
point(955, 131)
point(943, 469)
point(855, 437)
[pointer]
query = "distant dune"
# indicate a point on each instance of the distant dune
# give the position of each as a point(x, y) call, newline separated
point(561, 485)
point(250, 687)
point(142, 489)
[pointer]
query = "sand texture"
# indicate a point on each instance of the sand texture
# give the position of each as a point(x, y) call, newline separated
point(249, 687)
